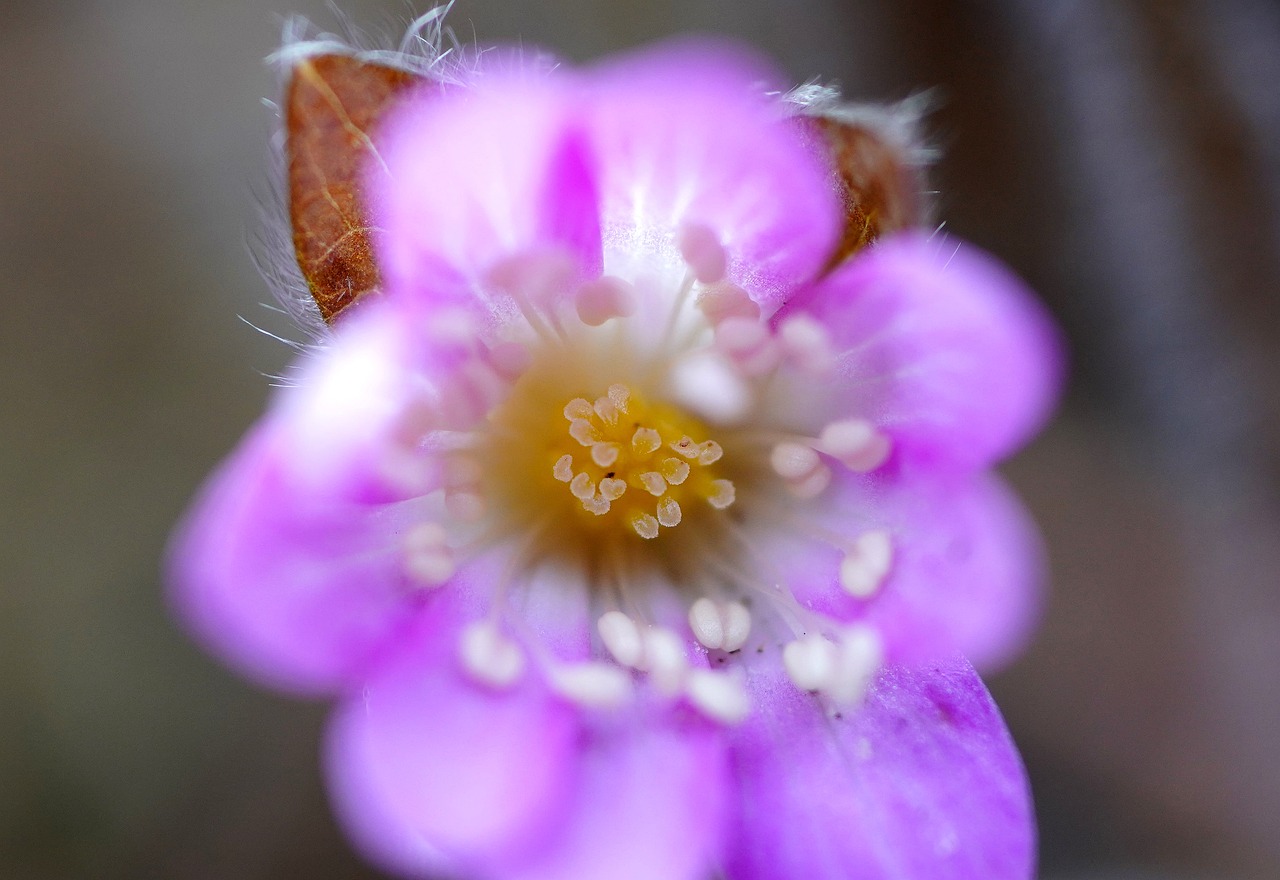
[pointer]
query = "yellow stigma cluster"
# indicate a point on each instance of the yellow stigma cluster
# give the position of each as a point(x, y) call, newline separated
point(636, 462)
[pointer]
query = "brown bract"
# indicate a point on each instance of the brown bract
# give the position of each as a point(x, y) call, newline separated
point(333, 104)
point(881, 189)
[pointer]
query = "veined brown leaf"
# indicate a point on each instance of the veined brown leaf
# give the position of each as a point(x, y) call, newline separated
point(333, 105)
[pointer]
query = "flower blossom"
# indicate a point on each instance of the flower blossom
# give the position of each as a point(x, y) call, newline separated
point(634, 538)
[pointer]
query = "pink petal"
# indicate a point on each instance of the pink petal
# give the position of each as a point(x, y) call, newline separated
point(967, 570)
point(922, 782)
point(685, 134)
point(293, 592)
point(480, 175)
point(649, 802)
point(945, 349)
point(288, 564)
point(428, 767)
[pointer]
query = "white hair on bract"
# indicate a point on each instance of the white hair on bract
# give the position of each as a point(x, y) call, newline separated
point(427, 48)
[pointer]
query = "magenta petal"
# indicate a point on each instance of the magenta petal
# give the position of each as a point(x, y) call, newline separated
point(479, 175)
point(650, 802)
point(295, 592)
point(944, 348)
point(685, 133)
point(967, 571)
point(920, 783)
point(428, 767)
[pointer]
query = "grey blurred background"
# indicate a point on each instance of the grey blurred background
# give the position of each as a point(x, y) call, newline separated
point(1124, 155)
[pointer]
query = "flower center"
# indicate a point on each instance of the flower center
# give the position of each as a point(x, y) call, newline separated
point(639, 464)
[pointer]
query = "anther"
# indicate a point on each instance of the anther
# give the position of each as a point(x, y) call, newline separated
point(664, 659)
point(669, 513)
point(595, 685)
point(428, 559)
point(653, 483)
point(723, 494)
point(612, 489)
point(674, 471)
point(726, 300)
point(645, 525)
point(604, 298)
point(604, 454)
point(645, 441)
point(621, 637)
point(794, 461)
point(709, 452)
point(584, 432)
point(810, 662)
point(747, 344)
point(719, 695)
point(582, 487)
point(702, 251)
point(860, 657)
point(578, 408)
point(489, 656)
point(866, 564)
point(607, 410)
point(620, 395)
point(856, 443)
point(597, 504)
point(720, 626)
point(563, 469)
point(686, 447)
point(807, 344)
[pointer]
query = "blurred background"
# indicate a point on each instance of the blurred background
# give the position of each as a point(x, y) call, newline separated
point(1123, 155)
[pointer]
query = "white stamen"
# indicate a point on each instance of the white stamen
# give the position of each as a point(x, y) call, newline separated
point(807, 344)
point(620, 395)
point(645, 525)
point(669, 513)
point(866, 564)
point(604, 454)
point(563, 470)
point(582, 487)
point(605, 298)
point(811, 486)
point(709, 452)
point(710, 386)
point(810, 662)
point(727, 300)
point(428, 559)
point(674, 471)
point(702, 250)
point(465, 505)
point(706, 622)
point(645, 441)
point(748, 345)
point(716, 625)
point(794, 461)
point(606, 410)
point(621, 638)
point(860, 657)
point(595, 685)
point(489, 656)
point(653, 483)
point(664, 659)
point(584, 432)
point(856, 443)
point(510, 359)
point(686, 447)
point(723, 494)
point(720, 696)
point(612, 488)
point(599, 505)
point(578, 408)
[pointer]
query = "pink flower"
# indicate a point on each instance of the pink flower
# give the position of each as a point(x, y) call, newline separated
point(630, 543)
